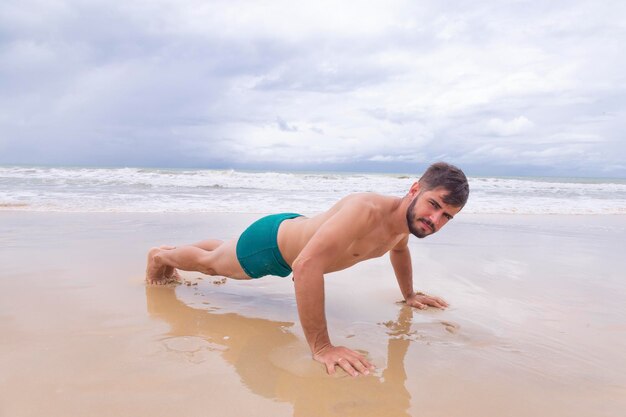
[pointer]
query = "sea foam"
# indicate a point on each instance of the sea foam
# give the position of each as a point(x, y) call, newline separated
point(180, 190)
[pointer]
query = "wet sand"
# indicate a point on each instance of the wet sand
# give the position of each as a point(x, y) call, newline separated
point(537, 323)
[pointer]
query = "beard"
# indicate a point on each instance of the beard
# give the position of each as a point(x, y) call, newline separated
point(410, 220)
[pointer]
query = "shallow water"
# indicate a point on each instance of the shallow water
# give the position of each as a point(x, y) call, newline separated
point(537, 324)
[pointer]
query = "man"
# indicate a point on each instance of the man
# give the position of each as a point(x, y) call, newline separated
point(358, 227)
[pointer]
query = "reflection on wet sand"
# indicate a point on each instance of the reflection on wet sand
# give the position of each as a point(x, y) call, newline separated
point(271, 361)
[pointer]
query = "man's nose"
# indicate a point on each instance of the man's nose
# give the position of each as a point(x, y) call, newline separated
point(435, 218)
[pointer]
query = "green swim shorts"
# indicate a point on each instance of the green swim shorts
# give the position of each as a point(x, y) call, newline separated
point(257, 247)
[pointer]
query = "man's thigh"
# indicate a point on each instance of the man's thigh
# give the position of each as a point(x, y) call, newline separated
point(224, 261)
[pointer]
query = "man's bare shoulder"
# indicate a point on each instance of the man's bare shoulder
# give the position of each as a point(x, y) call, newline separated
point(366, 200)
point(371, 204)
point(358, 210)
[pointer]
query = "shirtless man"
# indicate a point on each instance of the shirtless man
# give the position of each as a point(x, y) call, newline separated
point(358, 227)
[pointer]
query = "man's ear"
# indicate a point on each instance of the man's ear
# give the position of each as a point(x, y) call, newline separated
point(415, 188)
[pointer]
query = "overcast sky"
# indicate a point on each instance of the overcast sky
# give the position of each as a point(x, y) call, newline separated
point(496, 87)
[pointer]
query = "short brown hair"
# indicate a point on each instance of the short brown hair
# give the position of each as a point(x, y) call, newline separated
point(441, 174)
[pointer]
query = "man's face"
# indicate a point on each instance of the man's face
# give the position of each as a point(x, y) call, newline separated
point(427, 213)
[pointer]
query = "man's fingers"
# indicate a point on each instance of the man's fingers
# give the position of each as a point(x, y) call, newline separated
point(440, 301)
point(419, 305)
point(360, 365)
point(443, 302)
point(354, 365)
point(350, 361)
point(347, 366)
point(367, 364)
point(433, 302)
point(330, 368)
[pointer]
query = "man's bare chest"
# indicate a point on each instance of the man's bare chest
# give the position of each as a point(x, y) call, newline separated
point(373, 245)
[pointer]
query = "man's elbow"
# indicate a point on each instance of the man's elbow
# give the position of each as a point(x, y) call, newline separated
point(404, 250)
point(304, 267)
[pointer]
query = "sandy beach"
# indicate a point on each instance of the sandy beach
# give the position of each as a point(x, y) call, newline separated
point(536, 326)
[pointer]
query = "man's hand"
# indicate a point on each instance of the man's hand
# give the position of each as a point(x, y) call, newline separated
point(350, 361)
point(422, 301)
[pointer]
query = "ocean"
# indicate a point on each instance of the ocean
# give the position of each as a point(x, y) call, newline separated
point(136, 190)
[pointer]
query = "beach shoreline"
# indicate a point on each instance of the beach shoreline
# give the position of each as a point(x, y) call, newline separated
point(536, 324)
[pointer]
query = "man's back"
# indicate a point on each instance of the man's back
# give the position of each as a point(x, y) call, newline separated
point(376, 235)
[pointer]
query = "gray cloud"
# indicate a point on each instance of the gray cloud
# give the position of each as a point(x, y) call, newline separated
point(502, 87)
point(282, 125)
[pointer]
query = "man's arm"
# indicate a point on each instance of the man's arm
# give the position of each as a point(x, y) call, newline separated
point(330, 241)
point(401, 261)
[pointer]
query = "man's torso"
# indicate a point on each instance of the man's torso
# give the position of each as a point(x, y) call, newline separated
point(376, 240)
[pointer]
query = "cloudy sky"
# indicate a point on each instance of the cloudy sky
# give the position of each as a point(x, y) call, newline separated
point(496, 87)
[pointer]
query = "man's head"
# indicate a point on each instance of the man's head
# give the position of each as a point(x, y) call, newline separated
point(440, 193)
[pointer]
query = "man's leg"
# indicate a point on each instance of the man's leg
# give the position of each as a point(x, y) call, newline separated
point(165, 273)
point(209, 244)
point(222, 260)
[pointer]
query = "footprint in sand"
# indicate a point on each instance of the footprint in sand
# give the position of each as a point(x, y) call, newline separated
point(450, 327)
point(194, 349)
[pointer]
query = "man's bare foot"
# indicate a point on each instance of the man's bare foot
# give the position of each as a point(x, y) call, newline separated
point(156, 272)
point(172, 275)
